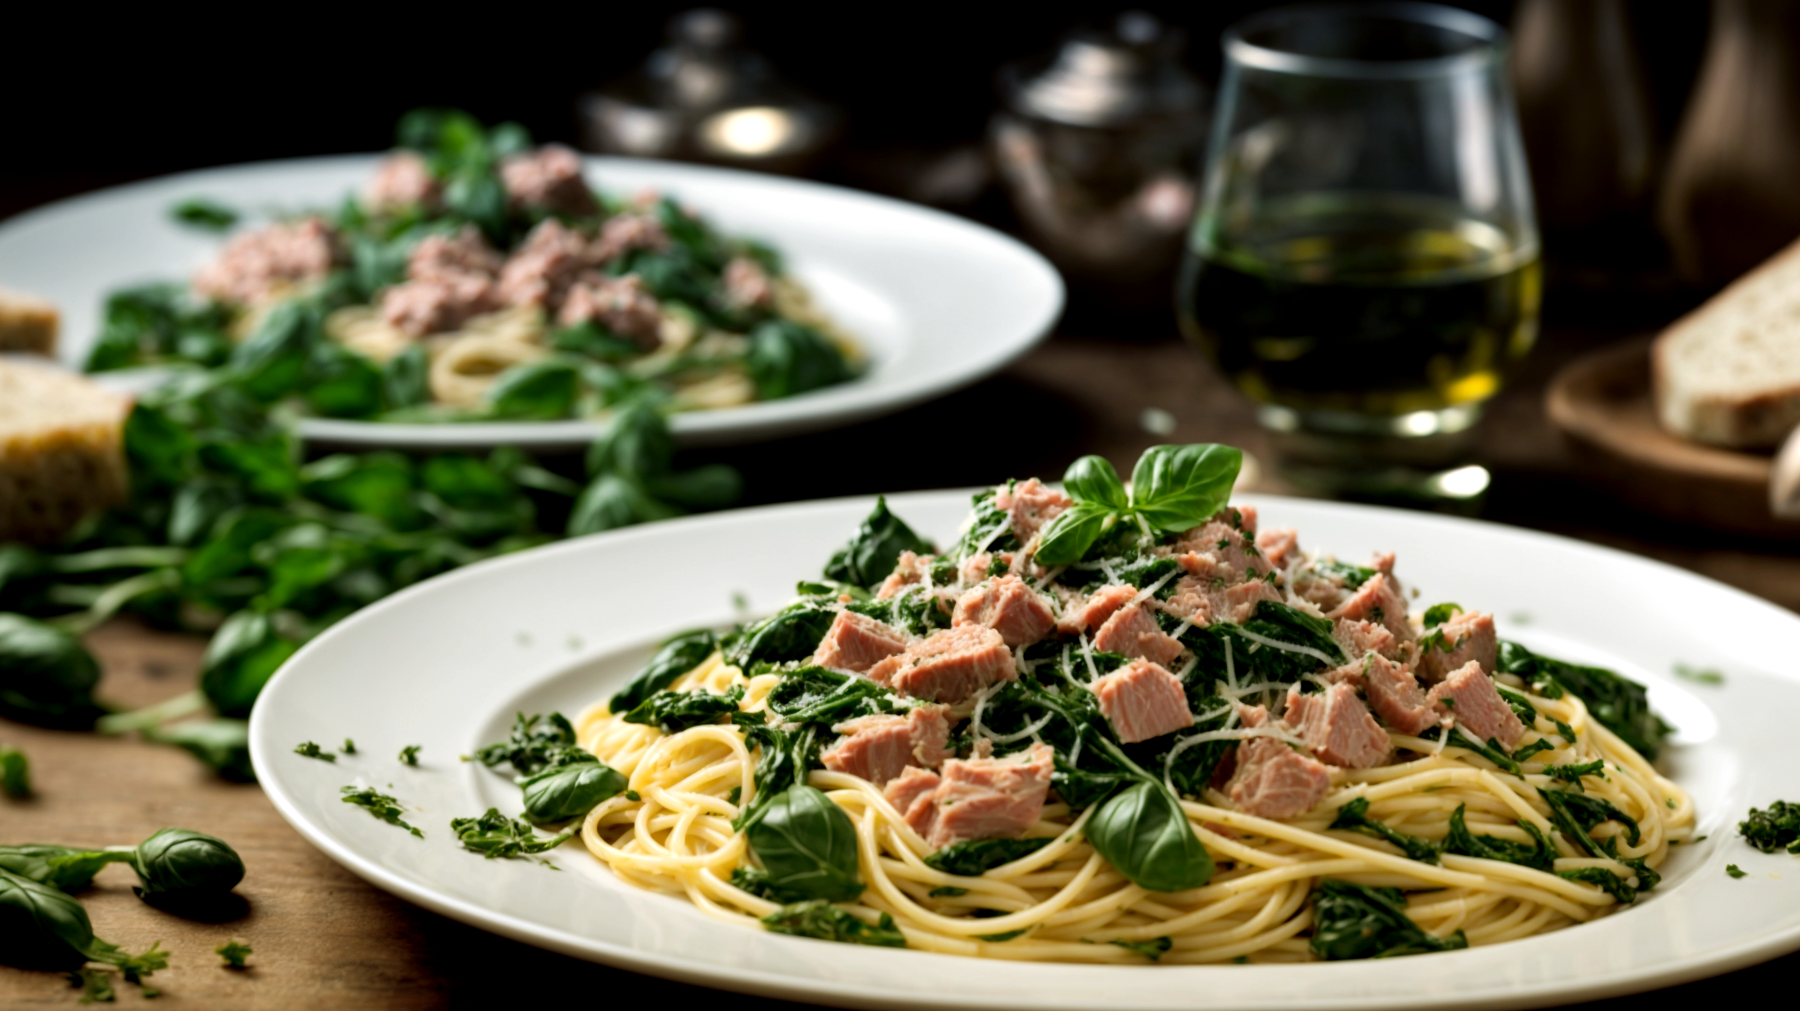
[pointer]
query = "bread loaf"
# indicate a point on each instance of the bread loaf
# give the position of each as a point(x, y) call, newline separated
point(1728, 373)
point(27, 323)
point(61, 450)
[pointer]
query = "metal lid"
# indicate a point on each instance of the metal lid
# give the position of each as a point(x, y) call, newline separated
point(1109, 77)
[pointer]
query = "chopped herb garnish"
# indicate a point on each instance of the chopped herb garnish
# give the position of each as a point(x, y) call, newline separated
point(635, 797)
point(819, 918)
point(1353, 817)
point(947, 892)
point(410, 754)
point(234, 954)
point(495, 836)
point(380, 805)
point(15, 773)
point(1699, 675)
point(1774, 829)
point(349, 747)
point(1735, 871)
point(1572, 774)
point(308, 749)
point(1153, 949)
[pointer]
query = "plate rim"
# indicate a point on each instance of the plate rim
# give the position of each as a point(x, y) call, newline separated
point(774, 419)
point(1627, 981)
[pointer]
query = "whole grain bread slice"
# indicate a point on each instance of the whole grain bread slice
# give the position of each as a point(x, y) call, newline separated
point(1728, 373)
point(27, 323)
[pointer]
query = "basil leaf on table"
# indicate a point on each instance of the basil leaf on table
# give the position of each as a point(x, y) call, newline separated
point(807, 844)
point(47, 676)
point(1144, 833)
point(571, 788)
point(179, 864)
point(61, 867)
point(677, 655)
point(875, 549)
point(243, 655)
point(223, 745)
point(46, 929)
point(1176, 488)
point(15, 773)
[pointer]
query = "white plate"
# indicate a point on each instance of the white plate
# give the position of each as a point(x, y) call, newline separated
point(937, 301)
point(447, 663)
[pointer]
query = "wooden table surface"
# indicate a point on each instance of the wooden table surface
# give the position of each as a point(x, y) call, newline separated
point(324, 938)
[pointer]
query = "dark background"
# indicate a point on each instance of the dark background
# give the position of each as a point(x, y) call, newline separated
point(91, 99)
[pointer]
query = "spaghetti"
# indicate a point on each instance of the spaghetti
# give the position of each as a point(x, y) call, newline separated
point(1598, 815)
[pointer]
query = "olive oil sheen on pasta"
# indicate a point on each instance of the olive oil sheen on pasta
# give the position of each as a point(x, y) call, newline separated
point(1372, 307)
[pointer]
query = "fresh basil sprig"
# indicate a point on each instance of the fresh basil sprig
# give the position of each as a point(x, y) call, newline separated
point(1173, 488)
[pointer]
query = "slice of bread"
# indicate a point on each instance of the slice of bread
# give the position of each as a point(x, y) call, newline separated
point(1728, 373)
point(61, 450)
point(27, 323)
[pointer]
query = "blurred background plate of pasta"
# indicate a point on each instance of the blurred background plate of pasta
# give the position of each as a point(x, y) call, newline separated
point(449, 663)
point(929, 301)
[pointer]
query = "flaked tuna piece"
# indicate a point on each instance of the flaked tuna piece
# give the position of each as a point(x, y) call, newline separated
point(1133, 631)
point(879, 748)
point(1223, 549)
point(620, 304)
point(856, 642)
point(623, 233)
point(1143, 700)
point(1008, 606)
point(1377, 600)
point(1194, 600)
point(1362, 637)
point(747, 284)
point(948, 666)
point(1273, 780)
point(914, 794)
point(438, 304)
point(441, 256)
point(256, 265)
point(1241, 600)
point(1472, 699)
point(910, 570)
point(1337, 727)
point(1279, 545)
point(1030, 504)
point(1093, 612)
point(991, 798)
point(1469, 636)
point(542, 270)
point(548, 179)
point(979, 566)
point(402, 181)
point(1393, 693)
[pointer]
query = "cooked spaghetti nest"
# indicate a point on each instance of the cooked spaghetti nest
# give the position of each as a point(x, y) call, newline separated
point(1068, 902)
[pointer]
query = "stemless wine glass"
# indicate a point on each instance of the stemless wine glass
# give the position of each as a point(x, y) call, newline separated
point(1364, 262)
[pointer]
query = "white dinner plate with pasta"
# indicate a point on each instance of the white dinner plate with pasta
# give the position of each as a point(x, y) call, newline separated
point(1130, 749)
point(758, 306)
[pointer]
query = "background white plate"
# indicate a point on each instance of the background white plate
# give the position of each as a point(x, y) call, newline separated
point(936, 301)
point(446, 664)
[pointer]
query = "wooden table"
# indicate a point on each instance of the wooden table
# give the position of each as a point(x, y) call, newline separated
point(323, 938)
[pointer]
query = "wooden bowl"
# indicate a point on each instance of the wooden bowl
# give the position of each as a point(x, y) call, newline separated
point(1602, 402)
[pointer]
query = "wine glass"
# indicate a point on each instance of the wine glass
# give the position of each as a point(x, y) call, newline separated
point(1364, 262)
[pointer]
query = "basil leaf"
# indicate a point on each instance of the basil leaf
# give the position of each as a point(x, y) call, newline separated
point(875, 549)
point(222, 744)
point(674, 712)
point(1067, 537)
point(541, 390)
point(787, 358)
point(1093, 479)
point(677, 656)
point(44, 929)
point(1177, 488)
point(47, 676)
point(1355, 921)
point(1538, 854)
point(570, 789)
point(792, 633)
point(243, 655)
point(1144, 833)
point(181, 864)
point(62, 868)
point(808, 846)
point(974, 857)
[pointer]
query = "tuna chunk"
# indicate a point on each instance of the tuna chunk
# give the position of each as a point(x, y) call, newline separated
point(625, 232)
point(1393, 693)
point(949, 666)
point(1275, 781)
point(911, 570)
point(438, 304)
point(1133, 631)
point(1230, 546)
point(257, 265)
point(1468, 637)
point(747, 284)
point(1030, 504)
point(402, 181)
point(441, 256)
point(1241, 600)
point(1143, 700)
point(879, 748)
point(1093, 612)
point(1471, 697)
point(1337, 727)
point(857, 642)
point(548, 179)
point(1359, 638)
point(620, 304)
point(1377, 600)
point(542, 270)
point(1006, 605)
point(914, 795)
point(1193, 600)
point(1280, 545)
point(991, 798)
